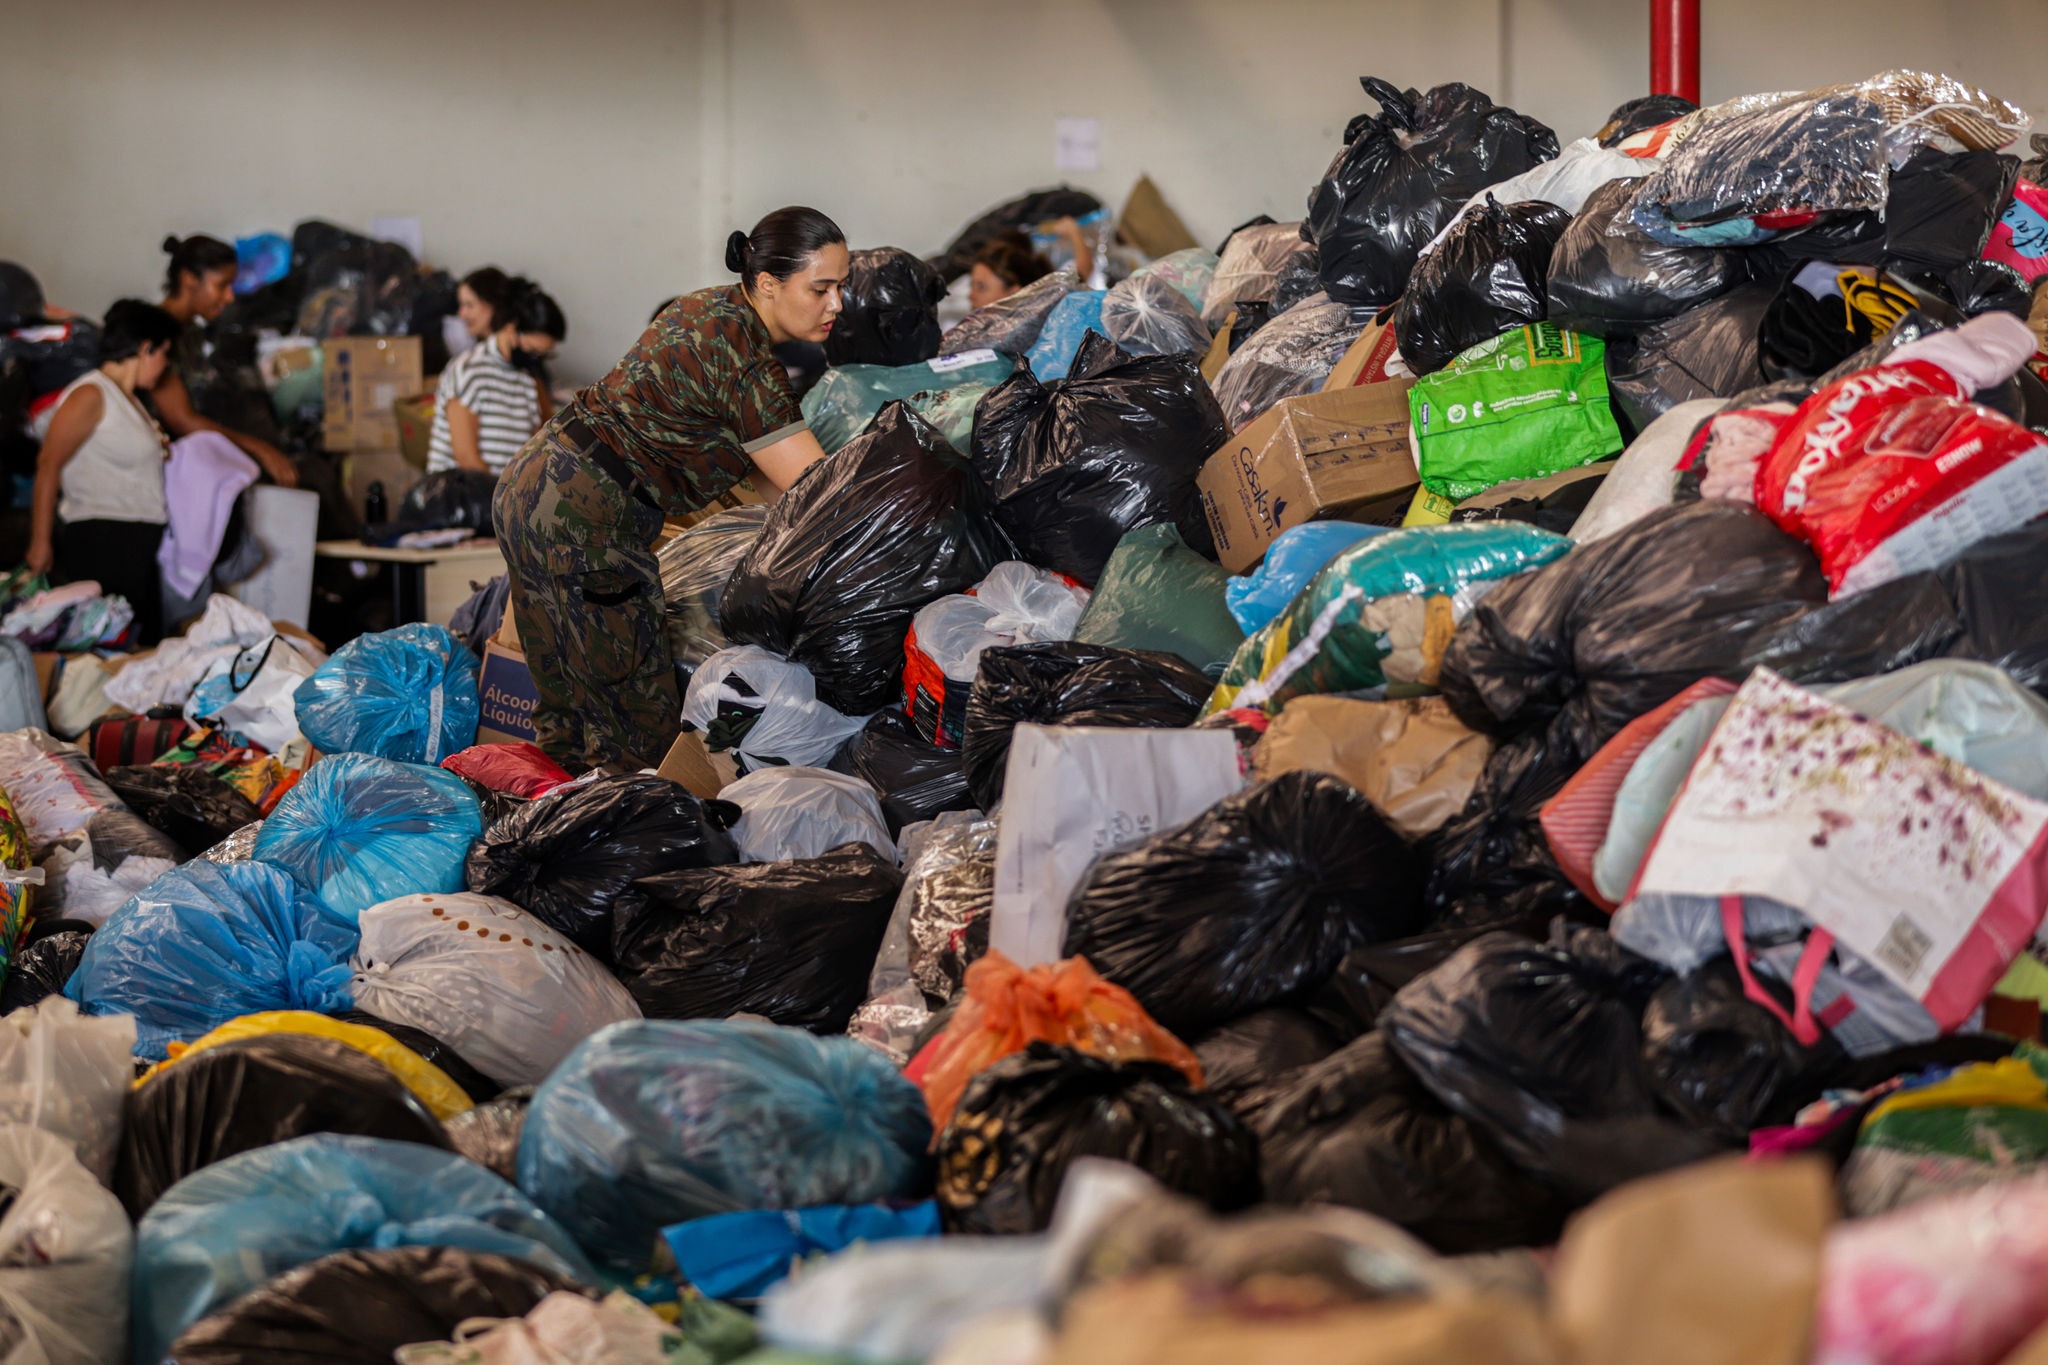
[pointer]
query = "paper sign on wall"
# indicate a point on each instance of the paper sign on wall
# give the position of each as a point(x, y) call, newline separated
point(1077, 144)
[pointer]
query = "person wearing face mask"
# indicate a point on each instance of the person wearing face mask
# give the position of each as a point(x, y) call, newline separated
point(98, 510)
point(199, 283)
point(699, 403)
point(492, 398)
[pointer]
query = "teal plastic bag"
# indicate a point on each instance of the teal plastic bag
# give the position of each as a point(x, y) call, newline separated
point(952, 412)
point(842, 403)
point(358, 831)
point(1526, 404)
point(1155, 593)
point(1381, 612)
point(1072, 319)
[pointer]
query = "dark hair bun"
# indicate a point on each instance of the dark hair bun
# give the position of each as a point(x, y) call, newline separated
point(170, 245)
point(736, 252)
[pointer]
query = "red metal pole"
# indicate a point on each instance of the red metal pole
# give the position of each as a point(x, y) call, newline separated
point(1675, 48)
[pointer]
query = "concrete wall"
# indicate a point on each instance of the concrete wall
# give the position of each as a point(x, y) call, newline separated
point(607, 148)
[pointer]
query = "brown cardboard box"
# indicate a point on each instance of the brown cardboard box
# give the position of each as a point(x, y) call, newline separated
point(1365, 362)
point(1342, 454)
point(47, 664)
point(362, 378)
point(1149, 223)
point(702, 773)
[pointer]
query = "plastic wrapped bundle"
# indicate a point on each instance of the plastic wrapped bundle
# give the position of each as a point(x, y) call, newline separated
point(364, 1307)
point(1296, 555)
point(40, 970)
point(54, 788)
point(520, 769)
point(1011, 326)
point(1150, 315)
point(762, 709)
point(574, 859)
point(890, 310)
point(805, 813)
point(1292, 354)
point(1024, 1121)
point(1609, 278)
point(1248, 905)
point(1250, 263)
point(407, 694)
point(1403, 174)
point(448, 498)
point(253, 1092)
point(415, 1060)
point(1488, 276)
point(69, 1075)
point(357, 830)
point(842, 403)
point(511, 996)
point(658, 1122)
point(65, 1251)
point(489, 1133)
point(695, 567)
point(789, 941)
point(1188, 270)
point(1072, 320)
point(204, 944)
point(1116, 445)
point(851, 552)
point(917, 779)
point(188, 804)
point(228, 1229)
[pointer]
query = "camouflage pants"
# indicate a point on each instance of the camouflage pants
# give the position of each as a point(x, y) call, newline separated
point(587, 599)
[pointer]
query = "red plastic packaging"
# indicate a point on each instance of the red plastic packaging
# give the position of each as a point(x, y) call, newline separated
point(518, 769)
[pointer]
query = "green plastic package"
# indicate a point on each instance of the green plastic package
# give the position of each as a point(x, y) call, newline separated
point(1528, 403)
point(1156, 593)
point(842, 403)
point(1380, 614)
point(951, 411)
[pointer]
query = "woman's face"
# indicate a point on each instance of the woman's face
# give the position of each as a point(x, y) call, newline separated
point(802, 307)
point(151, 362)
point(985, 287)
point(213, 292)
point(474, 312)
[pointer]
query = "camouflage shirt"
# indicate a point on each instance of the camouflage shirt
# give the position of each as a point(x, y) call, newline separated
point(695, 397)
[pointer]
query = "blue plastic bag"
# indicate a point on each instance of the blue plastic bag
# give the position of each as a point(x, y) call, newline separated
point(744, 1255)
point(407, 694)
point(234, 1225)
point(1291, 561)
point(657, 1121)
point(358, 831)
point(206, 943)
point(1073, 318)
point(260, 259)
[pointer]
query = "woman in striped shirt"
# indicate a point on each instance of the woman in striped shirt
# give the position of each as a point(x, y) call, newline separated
point(492, 397)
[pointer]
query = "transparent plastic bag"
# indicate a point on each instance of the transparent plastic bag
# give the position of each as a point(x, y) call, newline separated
point(509, 994)
point(407, 694)
point(803, 813)
point(928, 908)
point(562, 1329)
point(1189, 270)
point(1292, 354)
point(1015, 605)
point(763, 709)
point(695, 567)
point(68, 1074)
point(65, 1252)
point(54, 787)
point(1296, 555)
point(1149, 315)
point(1011, 326)
point(1248, 267)
point(357, 830)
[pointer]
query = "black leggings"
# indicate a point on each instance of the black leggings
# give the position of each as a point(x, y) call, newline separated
point(121, 557)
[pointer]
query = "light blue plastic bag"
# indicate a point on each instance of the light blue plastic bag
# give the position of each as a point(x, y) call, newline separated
point(358, 831)
point(408, 694)
point(1291, 561)
point(1073, 318)
point(654, 1122)
point(842, 403)
point(206, 943)
point(744, 1255)
point(232, 1226)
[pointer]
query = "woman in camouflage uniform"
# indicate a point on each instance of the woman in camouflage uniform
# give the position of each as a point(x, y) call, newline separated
point(699, 403)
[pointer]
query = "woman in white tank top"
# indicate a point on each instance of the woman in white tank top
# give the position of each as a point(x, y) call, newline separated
point(99, 498)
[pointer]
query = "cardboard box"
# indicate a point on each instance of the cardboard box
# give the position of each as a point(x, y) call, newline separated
point(362, 378)
point(506, 689)
point(1365, 362)
point(702, 773)
point(1342, 454)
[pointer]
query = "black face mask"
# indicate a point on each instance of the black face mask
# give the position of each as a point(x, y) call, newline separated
point(526, 360)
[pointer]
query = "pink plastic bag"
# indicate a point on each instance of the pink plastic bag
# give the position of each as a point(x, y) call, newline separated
point(2020, 237)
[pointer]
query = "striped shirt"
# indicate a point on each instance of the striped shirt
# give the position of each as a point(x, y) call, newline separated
point(501, 395)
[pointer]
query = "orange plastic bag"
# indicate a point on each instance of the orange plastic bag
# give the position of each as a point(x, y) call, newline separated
point(1006, 1008)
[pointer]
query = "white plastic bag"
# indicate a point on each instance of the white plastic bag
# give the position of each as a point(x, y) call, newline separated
point(1566, 180)
point(805, 812)
point(509, 994)
point(65, 1256)
point(68, 1074)
point(562, 1329)
point(167, 677)
point(1017, 604)
point(54, 787)
point(793, 726)
point(1072, 793)
point(256, 696)
point(1646, 476)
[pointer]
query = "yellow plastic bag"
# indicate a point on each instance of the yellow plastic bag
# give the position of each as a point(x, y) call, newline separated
point(443, 1098)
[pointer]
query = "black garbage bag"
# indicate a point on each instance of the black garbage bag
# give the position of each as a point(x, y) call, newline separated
point(1114, 446)
point(1299, 276)
point(1492, 862)
point(474, 1083)
point(890, 310)
point(489, 1133)
point(359, 1307)
point(1641, 114)
point(575, 858)
point(1367, 978)
point(1609, 278)
point(1262, 1049)
point(1023, 1121)
point(451, 498)
point(1359, 1130)
point(190, 805)
point(792, 941)
point(40, 970)
point(1721, 1061)
point(1551, 503)
point(21, 297)
point(917, 779)
point(1250, 904)
point(893, 520)
point(1403, 173)
point(251, 1093)
point(1066, 683)
point(1037, 206)
point(1980, 287)
point(1539, 1044)
point(1708, 351)
point(51, 361)
point(1942, 207)
point(1488, 276)
point(1625, 624)
point(352, 285)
